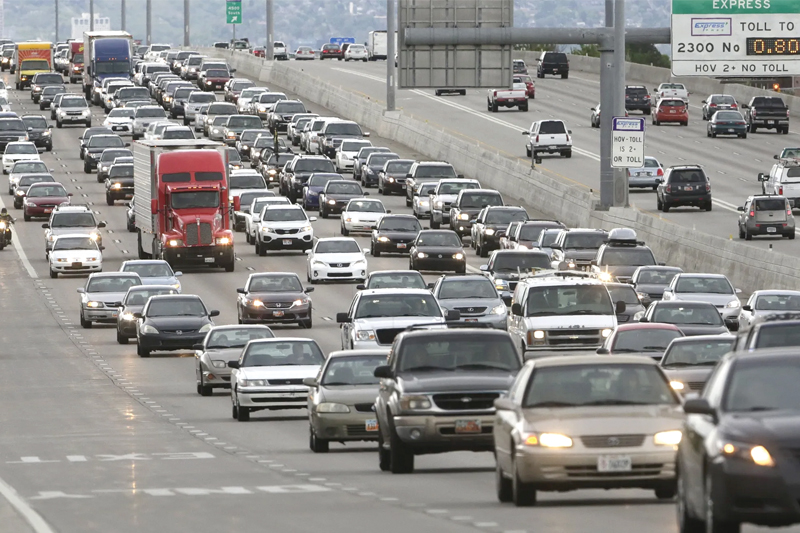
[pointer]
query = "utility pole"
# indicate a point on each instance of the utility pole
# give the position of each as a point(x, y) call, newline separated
point(391, 26)
point(618, 95)
point(269, 51)
point(56, 20)
point(122, 14)
point(149, 23)
point(186, 23)
point(91, 15)
point(607, 72)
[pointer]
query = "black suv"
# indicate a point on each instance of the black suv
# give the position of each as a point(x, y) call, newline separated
point(684, 185)
point(468, 204)
point(767, 112)
point(619, 258)
point(485, 231)
point(39, 131)
point(437, 392)
point(637, 98)
point(553, 63)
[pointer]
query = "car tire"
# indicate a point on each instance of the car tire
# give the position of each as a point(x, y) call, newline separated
point(86, 324)
point(307, 323)
point(791, 236)
point(522, 494)
point(26, 217)
point(316, 444)
point(142, 352)
point(121, 339)
point(713, 523)
point(261, 250)
point(345, 231)
point(667, 492)
point(401, 459)
point(686, 522)
point(376, 253)
point(87, 169)
point(709, 206)
point(655, 121)
point(204, 389)
point(323, 213)
point(234, 412)
point(744, 135)
point(741, 233)
point(384, 457)
point(58, 124)
point(53, 273)
point(753, 128)
point(565, 76)
point(665, 207)
point(504, 486)
point(484, 252)
point(748, 236)
point(568, 154)
point(528, 151)
point(685, 123)
point(435, 224)
point(242, 413)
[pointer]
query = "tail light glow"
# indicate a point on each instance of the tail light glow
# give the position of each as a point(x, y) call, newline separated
point(660, 172)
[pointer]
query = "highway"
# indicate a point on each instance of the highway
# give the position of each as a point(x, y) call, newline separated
point(732, 164)
point(96, 439)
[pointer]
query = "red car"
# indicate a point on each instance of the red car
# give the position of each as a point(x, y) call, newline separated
point(259, 52)
point(214, 80)
point(42, 198)
point(671, 110)
point(530, 85)
point(332, 51)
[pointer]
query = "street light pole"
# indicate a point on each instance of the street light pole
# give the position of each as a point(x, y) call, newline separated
point(123, 14)
point(269, 52)
point(56, 20)
point(391, 25)
point(91, 15)
point(186, 34)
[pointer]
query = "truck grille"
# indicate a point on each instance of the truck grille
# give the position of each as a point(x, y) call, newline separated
point(286, 231)
point(466, 401)
point(386, 336)
point(612, 441)
point(198, 234)
point(580, 337)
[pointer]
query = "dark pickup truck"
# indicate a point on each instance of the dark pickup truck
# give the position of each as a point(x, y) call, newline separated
point(768, 112)
point(437, 392)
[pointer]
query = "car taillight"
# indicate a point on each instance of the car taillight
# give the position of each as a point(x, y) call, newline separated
point(669, 188)
point(753, 112)
point(708, 187)
point(567, 138)
point(537, 138)
point(741, 123)
point(780, 191)
point(752, 213)
point(495, 94)
point(660, 172)
point(734, 106)
point(787, 113)
point(712, 105)
point(789, 212)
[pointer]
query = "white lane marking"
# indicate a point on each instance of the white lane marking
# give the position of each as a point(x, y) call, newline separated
point(20, 252)
point(32, 517)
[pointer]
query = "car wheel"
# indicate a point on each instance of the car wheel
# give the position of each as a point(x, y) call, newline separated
point(307, 323)
point(345, 231)
point(435, 224)
point(142, 352)
point(522, 494)
point(58, 124)
point(408, 202)
point(243, 413)
point(86, 324)
point(204, 389)
point(121, 339)
point(665, 207)
point(87, 169)
point(505, 487)
point(686, 522)
point(709, 206)
point(748, 236)
point(568, 154)
point(323, 213)
point(528, 151)
point(384, 458)
point(753, 128)
point(401, 459)
point(26, 217)
point(741, 233)
point(666, 492)
point(53, 273)
point(234, 411)
point(375, 252)
point(316, 444)
point(715, 524)
point(791, 236)
point(484, 252)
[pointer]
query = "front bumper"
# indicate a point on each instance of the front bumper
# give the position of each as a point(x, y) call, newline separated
point(37, 211)
point(274, 315)
point(440, 263)
point(296, 241)
point(120, 194)
point(346, 164)
point(107, 315)
point(433, 434)
point(126, 328)
point(394, 184)
point(353, 426)
point(84, 268)
point(214, 256)
point(328, 272)
point(170, 341)
point(74, 118)
point(285, 397)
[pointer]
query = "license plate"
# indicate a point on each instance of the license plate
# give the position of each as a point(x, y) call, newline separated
point(402, 245)
point(614, 463)
point(641, 173)
point(470, 320)
point(553, 147)
point(287, 242)
point(78, 265)
point(730, 130)
point(209, 259)
point(371, 424)
point(468, 426)
point(48, 210)
point(114, 315)
point(688, 188)
point(771, 230)
point(771, 122)
point(277, 313)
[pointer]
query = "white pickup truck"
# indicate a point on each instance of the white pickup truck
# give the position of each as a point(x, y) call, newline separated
point(514, 97)
point(672, 90)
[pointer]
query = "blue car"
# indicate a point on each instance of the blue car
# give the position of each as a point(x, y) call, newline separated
point(314, 185)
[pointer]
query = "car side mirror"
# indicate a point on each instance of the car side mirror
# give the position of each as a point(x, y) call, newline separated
point(310, 382)
point(430, 286)
point(137, 315)
point(699, 406)
point(762, 176)
point(241, 290)
point(69, 194)
point(213, 313)
point(388, 211)
point(46, 226)
point(516, 309)
point(452, 315)
point(101, 224)
point(644, 319)
point(366, 194)
point(198, 347)
point(127, 144)
point(360, 287)
point(460, 176)
point(569, 131)
point(602, 351)
point(30, 129)
point(366, 134)
point(740, 208)
point(308, 290)
point(233, 364)
point(747, 308)
point(383, 372)
point(738, 291)
point(504, 404)
point(342, 318)
point(526, 133)
point(619, 307)
point(80, 290)
point(49, 126)
point(177, 274)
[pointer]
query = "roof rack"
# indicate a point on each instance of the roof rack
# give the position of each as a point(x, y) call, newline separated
point(449, 325)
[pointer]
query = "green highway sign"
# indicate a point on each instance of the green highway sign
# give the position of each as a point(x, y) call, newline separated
point(234, 11)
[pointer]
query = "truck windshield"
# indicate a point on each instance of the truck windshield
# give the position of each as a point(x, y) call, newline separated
point(35, 64)
point(113, 67)
point(77, 58)
point(569, 300)
point(195, 199)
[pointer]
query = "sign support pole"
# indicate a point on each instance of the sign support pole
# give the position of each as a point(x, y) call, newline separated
point(607, 84)
point(270, 50)
point(391, 25)
point(618, 95)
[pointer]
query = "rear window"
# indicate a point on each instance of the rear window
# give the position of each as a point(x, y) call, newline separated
point(767, 101)
point(552, 127)
point(555, 57)
point(635, 90)
point(770, 204)
point(687, 176)
point(672, 103)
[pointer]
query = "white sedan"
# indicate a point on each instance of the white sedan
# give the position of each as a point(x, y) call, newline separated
point(346, 153)
point(356, 52)
point(335, 258)
point(75, 254)
point(265, 362)
point(362, 215)
point(120, 120)
point(19, 151)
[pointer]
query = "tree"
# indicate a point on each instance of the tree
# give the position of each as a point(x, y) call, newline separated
point(591, 50)
point(646, 54)
point(537, 47)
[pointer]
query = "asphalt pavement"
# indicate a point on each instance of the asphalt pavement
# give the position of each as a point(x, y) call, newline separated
point(95, 438)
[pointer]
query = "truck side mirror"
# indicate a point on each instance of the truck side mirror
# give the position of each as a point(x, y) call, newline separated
point(516, 309)
point(619, 307)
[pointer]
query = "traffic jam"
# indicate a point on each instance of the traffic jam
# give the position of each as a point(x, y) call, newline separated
point(575, 356)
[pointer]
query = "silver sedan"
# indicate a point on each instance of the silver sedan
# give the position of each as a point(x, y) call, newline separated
point(223, 344)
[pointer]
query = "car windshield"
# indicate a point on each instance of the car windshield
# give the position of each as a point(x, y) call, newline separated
point(290, 107)
point(217, 73)
point(394, 280)
point(337, 247)
point(702, 285)
point(177, 133)
point(149, 112)
point(449, 353)
point(569, 300)
point(133, 93)
point(112, 284)
point(221, 339)
point(21, 149)
point(426, 188)
point(476, 201)
point(728, 115)
point(262, 203)
point(246, 198)
point(697, 353)
point(198, 97)
point(763, 385)
point(47, 190)
point(777, 335)
point(598, 384)
point(149, 270)
point(320, 181)
point(183, 92)
point(366, 206)
point(244, 122)
point(454, 289)
point(121, 171)
point(250, 135)
point(105, 141)
point(113, 67)
point(289, 353)
point(12, 124)
point(343, 188)
point(274, 283)
point(271, 98)
point(399, 224)
point(140, 296)
point(656, 276)
point(111, 155)
point(434, 238)
point(455, 188)
point(524, 261)
point(623, 294)
point(319, 165)
point(644, 340)
point(247, 181)
point(584, 241)
point(357, 370)
point(51, 91)
point(249, 93)
point(722, 99)
point(289, 215)
point(378, 160)
point(504, 216)
point(74, 243)
point(393, 305)
point(342, 128)
point(766, 101)
point(176, 307)
point(73, 220)
point(546, 238)
point(26, 181)
point(29, 166)
point(122, 112)
point(399, 167)
point(689, 315)
point(353, 146)
point(220, 120)
point(628, 257)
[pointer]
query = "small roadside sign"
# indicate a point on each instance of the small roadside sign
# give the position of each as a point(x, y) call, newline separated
point(627, 144)
point(233, 12)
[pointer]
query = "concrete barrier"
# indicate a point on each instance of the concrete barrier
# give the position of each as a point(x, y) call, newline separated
point(747, 267)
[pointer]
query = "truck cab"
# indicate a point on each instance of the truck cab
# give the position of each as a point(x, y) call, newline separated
point(31, 58)
point(107, 54)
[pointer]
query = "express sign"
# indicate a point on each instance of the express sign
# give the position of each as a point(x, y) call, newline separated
point(735, 38)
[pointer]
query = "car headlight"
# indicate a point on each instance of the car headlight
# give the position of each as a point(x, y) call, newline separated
point(757, 454)
point(439, 204)
point(668, 438)
point(172, 243)
point(317, 263)
point(365, 335)
point(413, 403)
point(554, 440)
point(459, 256)
point(222, 241)
point(538, 334)
point(104, 168)
point(272, 172)
point(424, 203)
point(3, 226)
point(219, 364)
point(390, 179)
point(205, 329)
point(94, 304)
point(147, 329)
point(643, 295)
point(638, 316)
point(383, 239)
point(46, 133)
point(19, 192)
point(116, 186)
point(85, 112)
point(677, 385)
point(501, 285)
point(360, 262)
point(499, 309)
point(256, 303)
point(231, 135)
point(489, 231)
point(330, 407)
point(463, 216)
point(332, 202)
point(215, 130)
point(94, 236)
point(254, 383)
point(299, 301)
point(208, 83)
point(127, 317)
point(422, 255)
point(733, 304)
point(606, 332)
point(604, 277)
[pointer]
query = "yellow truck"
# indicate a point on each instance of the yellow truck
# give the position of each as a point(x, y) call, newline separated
point(31, 59)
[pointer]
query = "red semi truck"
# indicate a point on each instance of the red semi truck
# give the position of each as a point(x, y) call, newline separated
point(181, 202)
point(75, 72)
